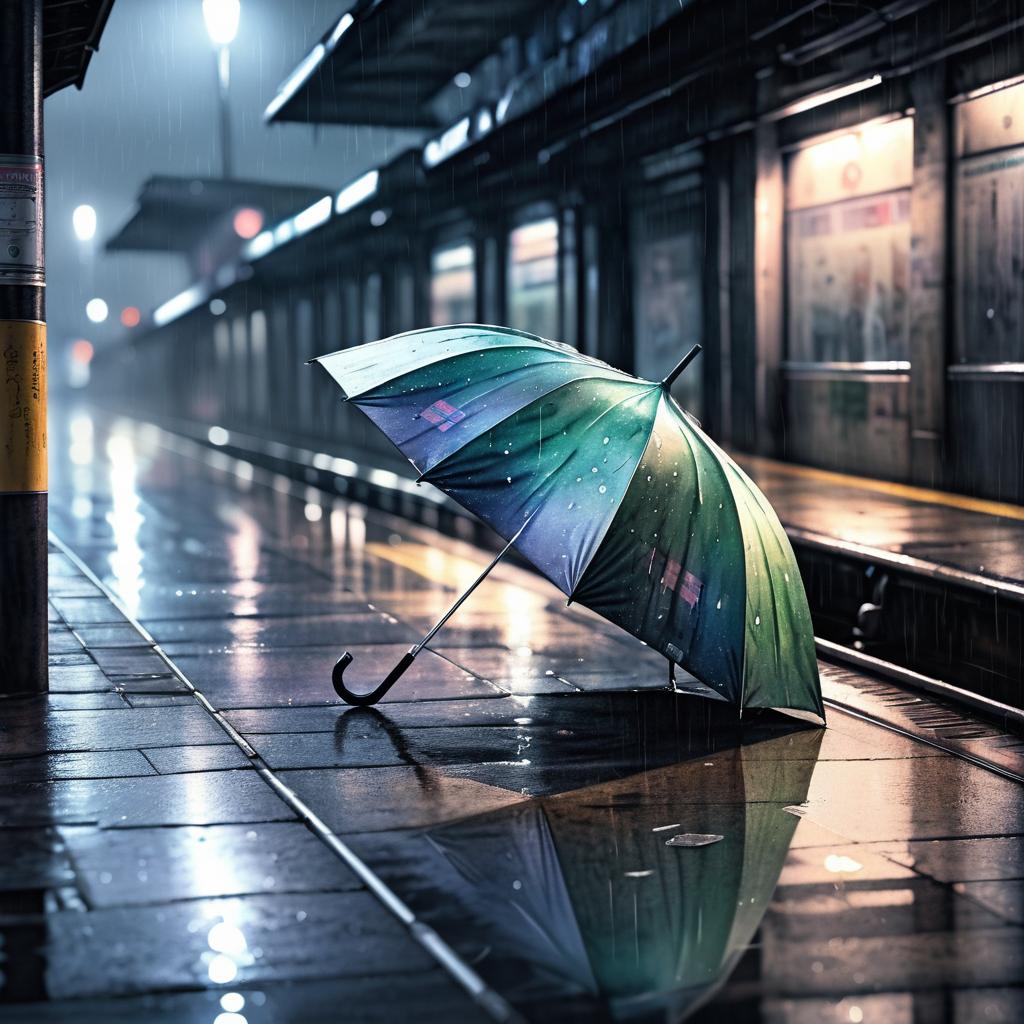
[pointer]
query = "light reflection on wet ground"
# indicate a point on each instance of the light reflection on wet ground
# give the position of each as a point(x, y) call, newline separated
point(510, 792)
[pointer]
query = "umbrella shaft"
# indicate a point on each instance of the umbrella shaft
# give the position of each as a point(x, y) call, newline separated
point(458, 604)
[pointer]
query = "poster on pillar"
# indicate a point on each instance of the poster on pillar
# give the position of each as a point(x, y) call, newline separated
point(21, 220)
point(23, 466)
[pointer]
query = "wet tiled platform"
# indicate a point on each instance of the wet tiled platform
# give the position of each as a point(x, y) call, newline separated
point(928, 581)
point(516, 793)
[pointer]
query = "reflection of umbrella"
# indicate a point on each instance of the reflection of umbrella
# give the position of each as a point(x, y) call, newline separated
point(613, 493)
point(583, 886)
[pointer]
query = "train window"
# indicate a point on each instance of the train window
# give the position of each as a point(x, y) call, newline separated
point(372, 299)
point(990, 228)
point(668, 307)
point(848, 246)
point(453, 285)
point(533, 278)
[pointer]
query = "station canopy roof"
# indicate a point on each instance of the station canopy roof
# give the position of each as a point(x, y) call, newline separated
point(383, 61)
point(176, 214)
point(71, 35)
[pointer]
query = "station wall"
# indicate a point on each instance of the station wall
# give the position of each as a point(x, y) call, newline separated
point(856, 276)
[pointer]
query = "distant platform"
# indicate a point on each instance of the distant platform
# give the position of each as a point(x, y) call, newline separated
point(971, 540)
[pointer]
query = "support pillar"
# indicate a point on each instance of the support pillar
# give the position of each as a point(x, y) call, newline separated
point(928, 262)
point(717, 369)
point(23, 482)
point(614, 327)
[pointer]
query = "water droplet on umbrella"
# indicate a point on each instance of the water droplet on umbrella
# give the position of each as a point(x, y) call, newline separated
point(606, 440)
point(693, 839)
point(757, 620)
point(594, 470)
point(719, 605)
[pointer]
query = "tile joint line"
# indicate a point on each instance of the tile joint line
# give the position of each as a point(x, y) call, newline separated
point(427, 937)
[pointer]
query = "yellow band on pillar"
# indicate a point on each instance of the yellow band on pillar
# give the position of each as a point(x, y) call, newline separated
point(22, 406)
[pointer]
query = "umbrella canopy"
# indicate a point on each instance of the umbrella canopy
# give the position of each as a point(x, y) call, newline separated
point(609, 489)
point(583, 886)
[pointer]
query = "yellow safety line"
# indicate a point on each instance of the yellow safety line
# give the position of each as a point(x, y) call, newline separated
point(908, 491)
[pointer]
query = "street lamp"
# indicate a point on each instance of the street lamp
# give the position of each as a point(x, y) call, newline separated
point(96, 310)
point(221, 17)
point(83, 220)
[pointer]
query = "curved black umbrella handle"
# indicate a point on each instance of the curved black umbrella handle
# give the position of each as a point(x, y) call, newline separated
point(366, 699)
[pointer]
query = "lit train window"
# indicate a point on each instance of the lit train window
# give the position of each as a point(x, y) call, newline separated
point(452, 285)
point(533, 278)
point(848, 246)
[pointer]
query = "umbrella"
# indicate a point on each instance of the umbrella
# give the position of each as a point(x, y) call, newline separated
point(609, 489)
point(585, 888)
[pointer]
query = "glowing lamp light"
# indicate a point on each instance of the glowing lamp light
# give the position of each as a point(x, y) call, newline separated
point(81, 352)
point(130, 316)
point(96, 310)
point(221, 17)
point(83, 220)
point(247, 222)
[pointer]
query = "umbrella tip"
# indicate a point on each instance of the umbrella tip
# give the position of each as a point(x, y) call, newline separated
point(681, 365)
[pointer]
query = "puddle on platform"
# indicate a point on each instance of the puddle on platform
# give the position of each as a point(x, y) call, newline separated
point(641, 893)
